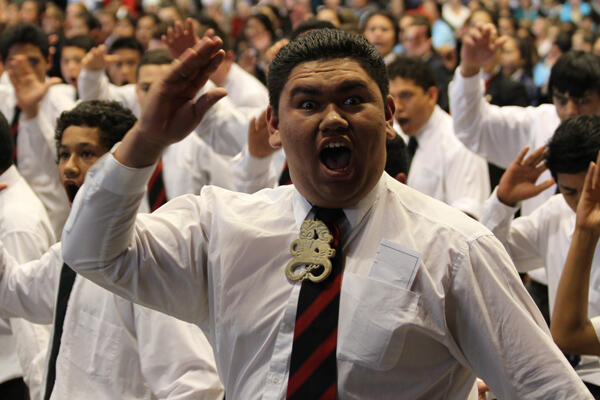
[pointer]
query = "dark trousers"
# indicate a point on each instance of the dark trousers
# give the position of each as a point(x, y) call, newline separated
point(15, 389)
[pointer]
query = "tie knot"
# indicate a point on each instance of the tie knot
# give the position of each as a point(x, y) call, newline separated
point(329, 215)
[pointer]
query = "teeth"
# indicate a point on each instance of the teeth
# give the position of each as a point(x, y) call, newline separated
point(335, 145)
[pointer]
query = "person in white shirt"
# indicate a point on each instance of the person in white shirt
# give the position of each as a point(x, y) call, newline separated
point(25, 49)
point(544, 235)
point(26, 233)
point(429, 298)
point(441, 166)
point(573, 329)
point(109, 348)
point(499, 133)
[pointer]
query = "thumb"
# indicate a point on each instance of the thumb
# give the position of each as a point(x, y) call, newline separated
point(207, 100)
point(3, 186)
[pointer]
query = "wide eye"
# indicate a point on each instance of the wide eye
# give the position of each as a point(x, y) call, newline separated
point(352, 101)
point(308, 105)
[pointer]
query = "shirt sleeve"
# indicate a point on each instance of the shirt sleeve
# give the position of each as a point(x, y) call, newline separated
point(495, 323)
point(185, 369)
point(37, 164)
point(519, 237)
point(497, 134)
point(29, 290)
point(155, 260)
point(251, 174)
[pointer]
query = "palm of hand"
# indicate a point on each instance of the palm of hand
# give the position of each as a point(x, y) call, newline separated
point(588, 208)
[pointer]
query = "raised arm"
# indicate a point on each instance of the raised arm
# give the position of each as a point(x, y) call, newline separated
point(571, 328)
point(147, 258)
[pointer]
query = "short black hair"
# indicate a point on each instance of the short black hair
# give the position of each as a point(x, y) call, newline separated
point(85, 42)
point(110, 117)
point(574, 73)
point(90, 20)
point(390, 17)
point(397, 156)
point(421, 20)
point(414, 69)
point(6, 144)
point(126, 43)
point(325, 44)
point(154, 57)
point(574, 145)
point(23, 34)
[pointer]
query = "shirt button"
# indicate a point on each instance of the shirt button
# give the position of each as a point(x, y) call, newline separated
point(275, 379)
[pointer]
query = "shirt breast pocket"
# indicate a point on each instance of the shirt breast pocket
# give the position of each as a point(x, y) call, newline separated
point(374, 319)
point(93, 344)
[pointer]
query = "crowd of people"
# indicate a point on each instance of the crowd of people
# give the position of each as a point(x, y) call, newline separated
point(299, 199)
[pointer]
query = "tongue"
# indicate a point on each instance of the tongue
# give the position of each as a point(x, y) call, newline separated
point(336, 159)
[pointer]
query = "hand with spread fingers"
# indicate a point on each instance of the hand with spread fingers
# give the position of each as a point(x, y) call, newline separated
point(29, 90)
point(170, 112)
point(178, 39)
point(519, 181)
point(97, 58)
point(479, 44)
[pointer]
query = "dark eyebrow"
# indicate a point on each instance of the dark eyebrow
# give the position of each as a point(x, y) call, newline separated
point(343, 88)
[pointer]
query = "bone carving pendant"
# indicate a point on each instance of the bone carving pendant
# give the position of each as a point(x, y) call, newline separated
point(312, 250)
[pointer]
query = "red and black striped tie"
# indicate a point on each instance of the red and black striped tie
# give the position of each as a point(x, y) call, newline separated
point(14, 130)
point(313, 366)
point(157, 196)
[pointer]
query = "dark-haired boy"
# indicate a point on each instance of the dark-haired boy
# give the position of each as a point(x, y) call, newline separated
point(72, 52)
point(543, 237)
point(101, 343)
point(26, 234)
point(24, 49)
point(441, 166)
point(499, 133)
point(419, 300)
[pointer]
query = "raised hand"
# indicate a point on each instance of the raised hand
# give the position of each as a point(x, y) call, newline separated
point(588, 208)
point(28, 88)
point(258, 137)
point(97, 59)
point(178, 39)
point(479, 44)
point(170, 112)
point(519, 181)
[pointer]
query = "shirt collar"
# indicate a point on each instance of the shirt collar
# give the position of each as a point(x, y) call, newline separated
point(10, 176)
point(354, 214)
point(428, 129)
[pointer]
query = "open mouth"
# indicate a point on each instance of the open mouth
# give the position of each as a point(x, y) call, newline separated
point(336, 156)
point(71, 190)
point(403, 122)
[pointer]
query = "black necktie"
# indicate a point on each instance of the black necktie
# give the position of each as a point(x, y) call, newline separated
point(411, 149)
point(14, 130)
point(284, 177)
point(67, 278)
point(313, 366)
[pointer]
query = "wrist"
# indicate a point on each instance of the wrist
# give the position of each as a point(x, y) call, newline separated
point(586, 236)
point(137, 150)
point(505, 199)
point(467, 70)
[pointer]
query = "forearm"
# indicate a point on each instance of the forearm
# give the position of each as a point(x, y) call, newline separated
point(138, 151)
point(571, 328)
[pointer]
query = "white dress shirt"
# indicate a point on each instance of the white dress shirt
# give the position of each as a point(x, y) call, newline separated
point(94, 85)
point(26, 233)
point(36, 148)
point(110, 348)
point(543, 236)
point(444, 169)
point(499, 133)
point(429, 297)
point(245, 91)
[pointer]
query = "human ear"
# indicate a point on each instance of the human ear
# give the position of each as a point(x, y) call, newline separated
point(273, 128)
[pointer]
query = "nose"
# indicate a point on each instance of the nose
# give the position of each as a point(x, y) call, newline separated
point(333, 120)
point(571, 108)
point(71, 167)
